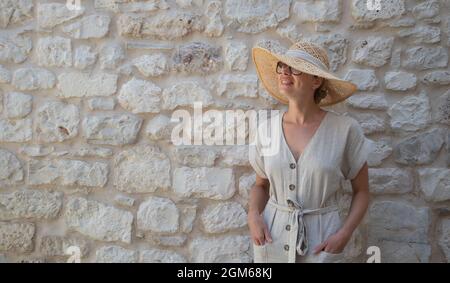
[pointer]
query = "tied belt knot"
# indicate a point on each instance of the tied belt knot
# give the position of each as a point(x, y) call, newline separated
point(297, 234)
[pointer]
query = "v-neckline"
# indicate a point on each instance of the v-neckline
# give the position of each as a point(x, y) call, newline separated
point(309, 142)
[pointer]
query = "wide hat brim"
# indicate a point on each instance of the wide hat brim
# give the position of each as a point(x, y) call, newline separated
point(266, 62)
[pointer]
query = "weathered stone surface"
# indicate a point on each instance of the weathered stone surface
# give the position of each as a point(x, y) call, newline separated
point(272, 45)
point(400, 81)
point(111, 55)
point(94, 151)
point(57, 121)
point(54, 51)
point(152, 65)
point(427, 9)
point(188, 212)
point(401, 252)
point(15, 12)
point(236, 56)
point(50, 15)
point(168, 25)
point(364, 79)
point(197, 58)
point(141, 169)
point(112, 129)
point(412, 113)
point(374, 51)
point(195, 156)
point(398, 221)
point(159, 128)
point(289, 31)
point(67, 172)
point(256, 16)
point(125, 6)
point(33, 79)
point(443, 111)
point(370, 123)
point(424, 58)
point(185, 94)
point(234, 86)
point(92, 26)
point(139, 96)
point(85, 84)
point(204, 182)
point(380, 150)
point(437, 78)
point(246, 182)
point(17, 130)
point(11, 169)
point(420, 149)
point(368, 101)
point(16, 236)
point(389, 9)
point(422, 34)
point(18, 105)
point(336, 47)
point(84, 57)
point(58, 245)
point(168, 241)
point(99, 221)
point(223, 217)
point(124, 201)
point(318, 11)
point(236, 155)
point(36, 150)
point(158, 215)
point(5, 76)
point(14, 49)
point(101, 103)
point(435, 183)
point(390, 181)
point(160, 256)
point(214, 27)
point(221, 249)
point(30, 204)
point(444, 239)
point(115, 254)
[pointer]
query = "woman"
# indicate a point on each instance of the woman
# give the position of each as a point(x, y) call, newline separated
point(293, 208)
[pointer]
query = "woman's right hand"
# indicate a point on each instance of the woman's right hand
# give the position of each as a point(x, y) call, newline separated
point(258, 229)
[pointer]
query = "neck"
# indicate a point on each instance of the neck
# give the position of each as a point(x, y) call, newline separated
point(303, 112)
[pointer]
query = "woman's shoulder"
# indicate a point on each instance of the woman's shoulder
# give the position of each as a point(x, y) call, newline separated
point(342, 119)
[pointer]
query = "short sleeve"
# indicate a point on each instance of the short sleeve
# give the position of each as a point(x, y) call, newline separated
point(256, 159)
point(356, 151)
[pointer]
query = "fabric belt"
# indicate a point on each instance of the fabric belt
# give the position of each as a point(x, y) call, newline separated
point(297, 234)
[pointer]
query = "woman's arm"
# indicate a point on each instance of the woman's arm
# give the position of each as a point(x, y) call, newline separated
point(259, 195)
point(360, 201)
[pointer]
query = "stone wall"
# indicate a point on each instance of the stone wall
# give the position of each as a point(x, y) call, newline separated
point(87, 95)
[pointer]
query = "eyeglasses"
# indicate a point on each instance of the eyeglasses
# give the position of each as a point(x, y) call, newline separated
point(281, 66)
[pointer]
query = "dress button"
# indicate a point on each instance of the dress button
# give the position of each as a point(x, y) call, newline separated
point(290, 203)
point(292, 165)
point(286, 247)
point(288, 227)
point(291, 187)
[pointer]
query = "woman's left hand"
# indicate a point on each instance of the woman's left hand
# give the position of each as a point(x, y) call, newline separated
point(335, 243)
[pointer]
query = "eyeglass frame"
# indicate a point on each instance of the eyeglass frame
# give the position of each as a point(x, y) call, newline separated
point(289, 68)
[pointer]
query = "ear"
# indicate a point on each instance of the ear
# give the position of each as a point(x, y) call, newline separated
point(317, 82)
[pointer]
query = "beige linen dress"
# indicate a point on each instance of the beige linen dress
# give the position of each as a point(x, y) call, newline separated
point(303, 210)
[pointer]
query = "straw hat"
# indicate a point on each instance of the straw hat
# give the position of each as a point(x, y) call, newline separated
point(308, 58)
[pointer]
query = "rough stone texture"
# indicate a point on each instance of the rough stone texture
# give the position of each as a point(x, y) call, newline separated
point(50, 15)
point(93, 26)
point(85, 84)
point(18, 105)
point(152, 65)
point(233, 249)
point(318, 11)
point(411, 113)
point(57, 121)
point(14, 49)
point(33, 79)
point(58, 245)
point(435, 183)
point(197, 57)
point(159, 128)
point(54, 52)
point(141, 169)
point(443, 111)
point(419, 149)
point(373, 51)
point(234, 86)
point(364, 79)
point(67, 172)
point(368, 101)
point(336, 46)
point(11, 169)
point(185, 94)
point(380, 150)
point(98, 221)
point(139, 96)
point(30, 204)
point(256, 16)
point(112, 129)
point(115, 254)
point(204, 182)
point(390, 181)
point(84, 57)
point(424, 58)
point(17, 237)
point(5, 75)
point(400, 81)
point(15, 130)
point(223, 217)
point(422, 34)
point(15, 12)
point(236, 56)
point(370, 123)
point(158, 215)
point(214, 26)
point(389, 9)
point(111, 55)
point(160, 256)
point(101, 103)
point(437, 78)
point(444, 239)
point(195, 156)
point(400, 252)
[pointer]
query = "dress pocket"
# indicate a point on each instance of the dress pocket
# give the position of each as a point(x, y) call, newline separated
point(327, 257)
point(259, 253)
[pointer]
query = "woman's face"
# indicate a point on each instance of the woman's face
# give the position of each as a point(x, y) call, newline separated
point(295, 84)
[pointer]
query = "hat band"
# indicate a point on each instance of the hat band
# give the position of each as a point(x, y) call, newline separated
point(306, 56)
